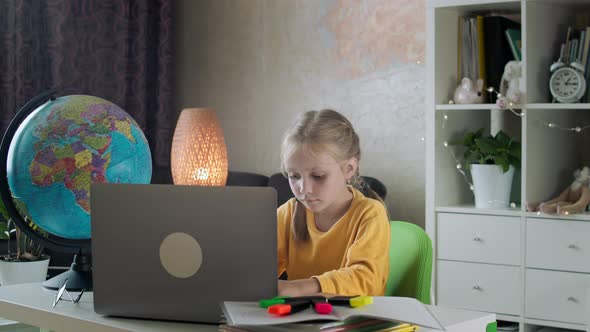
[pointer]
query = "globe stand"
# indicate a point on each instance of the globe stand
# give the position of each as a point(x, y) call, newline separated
point(79, 275)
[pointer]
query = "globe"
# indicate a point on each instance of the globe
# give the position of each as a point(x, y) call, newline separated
point(60, 149)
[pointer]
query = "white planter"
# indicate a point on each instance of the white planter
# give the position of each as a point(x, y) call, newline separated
point(491, 186)
point(23, 272)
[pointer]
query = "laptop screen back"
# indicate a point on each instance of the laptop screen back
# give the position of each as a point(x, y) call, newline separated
point(176, 252)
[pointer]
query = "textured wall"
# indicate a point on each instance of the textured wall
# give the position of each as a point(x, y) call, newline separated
point(260, 62)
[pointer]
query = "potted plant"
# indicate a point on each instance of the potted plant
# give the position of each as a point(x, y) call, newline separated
point(491, 160)
point(28, 263)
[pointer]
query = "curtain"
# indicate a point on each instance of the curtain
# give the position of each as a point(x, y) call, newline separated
point(118, 50)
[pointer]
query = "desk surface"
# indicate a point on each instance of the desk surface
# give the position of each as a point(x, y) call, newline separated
point(32, 304)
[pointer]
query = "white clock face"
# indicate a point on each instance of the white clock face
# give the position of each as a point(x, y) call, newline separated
point(567, 85)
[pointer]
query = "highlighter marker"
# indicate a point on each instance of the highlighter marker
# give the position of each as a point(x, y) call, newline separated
point(305, 298)
point(340, 300)
point(287, 309)
point(360, 301)
point(322, 307)
point(265, 303)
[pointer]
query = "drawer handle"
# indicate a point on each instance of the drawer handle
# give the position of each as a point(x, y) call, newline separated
point(573, 246)
point(477, 287)
point(572, 299)
point(477, 239)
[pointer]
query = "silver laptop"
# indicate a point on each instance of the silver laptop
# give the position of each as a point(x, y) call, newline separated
point(176, 252)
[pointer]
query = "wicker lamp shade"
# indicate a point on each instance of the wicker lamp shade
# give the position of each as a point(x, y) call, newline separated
point(199, 154)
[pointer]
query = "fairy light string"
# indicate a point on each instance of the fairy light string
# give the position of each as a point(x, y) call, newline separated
point(458, 165)
point(504, 104)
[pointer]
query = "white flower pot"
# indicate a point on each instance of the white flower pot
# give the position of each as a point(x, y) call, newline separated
point(23, 272)
point(491, 186)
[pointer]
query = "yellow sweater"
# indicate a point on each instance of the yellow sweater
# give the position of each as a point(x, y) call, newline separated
point(351, 258)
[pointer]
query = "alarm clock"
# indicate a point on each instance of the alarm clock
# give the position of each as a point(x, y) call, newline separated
point(567, 83)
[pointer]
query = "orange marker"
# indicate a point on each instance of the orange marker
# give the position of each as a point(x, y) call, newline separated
point(287, 309)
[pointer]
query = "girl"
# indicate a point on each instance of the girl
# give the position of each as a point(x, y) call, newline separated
point(331, 238)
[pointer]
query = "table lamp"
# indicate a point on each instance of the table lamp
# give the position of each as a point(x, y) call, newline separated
point(199, 154)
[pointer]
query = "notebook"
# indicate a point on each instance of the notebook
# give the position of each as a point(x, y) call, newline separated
point(399, 309)
point(176, 252)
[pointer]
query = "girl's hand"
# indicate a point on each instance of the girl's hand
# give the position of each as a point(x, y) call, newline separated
point(301, 287)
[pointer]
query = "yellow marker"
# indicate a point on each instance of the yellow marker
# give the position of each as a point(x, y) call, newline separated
point(360, 301)
point(400, 328)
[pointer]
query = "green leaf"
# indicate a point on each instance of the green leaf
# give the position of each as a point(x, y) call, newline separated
point(499, 149)
point(486, 145)
point(3, 211)
point(502, 138)
point(515, 150)
point(4, 235)
point(503, 162)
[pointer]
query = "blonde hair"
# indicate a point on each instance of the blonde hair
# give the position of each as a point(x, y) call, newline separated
point(328, 131)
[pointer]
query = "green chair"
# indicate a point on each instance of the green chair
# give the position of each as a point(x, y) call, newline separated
point(410, 262)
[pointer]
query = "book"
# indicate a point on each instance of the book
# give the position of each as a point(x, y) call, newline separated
point(481, 51)
point(466, 50)
point(584, 58)
point(459, 47)
point(579, 57)
point(352, 325)
point(395, 309)
point(515, 41)
point(474, 49)
point(497, 49)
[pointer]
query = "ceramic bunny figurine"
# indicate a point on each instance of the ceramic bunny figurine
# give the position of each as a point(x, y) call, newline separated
point(469, 93)
point(510, 83)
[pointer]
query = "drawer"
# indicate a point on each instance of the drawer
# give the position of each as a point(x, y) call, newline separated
point(558, 244)
point(556, 295)
point(484, 287)
point(477, 238)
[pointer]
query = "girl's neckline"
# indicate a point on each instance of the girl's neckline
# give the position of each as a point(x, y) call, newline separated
point(310, 216)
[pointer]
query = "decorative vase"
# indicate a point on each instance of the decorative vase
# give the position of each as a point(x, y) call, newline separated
point(491, 186)
point(12, 272)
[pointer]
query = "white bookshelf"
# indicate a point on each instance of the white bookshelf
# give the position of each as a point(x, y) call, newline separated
point(549, 157)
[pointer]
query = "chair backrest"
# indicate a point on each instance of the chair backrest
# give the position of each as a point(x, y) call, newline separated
point(281, 185)
point(410, 262)
point(284, 193)
point(247, 179)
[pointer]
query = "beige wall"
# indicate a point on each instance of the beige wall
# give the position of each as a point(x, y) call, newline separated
point(261, 62)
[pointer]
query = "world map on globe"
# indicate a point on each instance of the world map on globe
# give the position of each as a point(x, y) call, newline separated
point(63, 147)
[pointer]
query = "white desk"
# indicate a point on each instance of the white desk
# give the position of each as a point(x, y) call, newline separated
point(31, 304)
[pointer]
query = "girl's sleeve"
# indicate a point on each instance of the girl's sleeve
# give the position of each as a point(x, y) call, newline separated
point(283, 229)
point(367, 260)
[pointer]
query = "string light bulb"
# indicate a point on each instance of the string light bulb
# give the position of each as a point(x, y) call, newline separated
point(503, 104)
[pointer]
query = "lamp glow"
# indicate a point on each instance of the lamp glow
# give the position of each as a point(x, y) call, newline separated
point(199, 154)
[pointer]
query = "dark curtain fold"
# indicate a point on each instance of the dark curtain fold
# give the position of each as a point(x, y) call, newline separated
point(113, 49)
